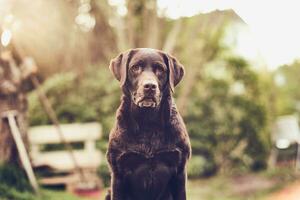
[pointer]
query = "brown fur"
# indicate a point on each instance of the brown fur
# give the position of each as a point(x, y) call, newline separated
point(148, 147)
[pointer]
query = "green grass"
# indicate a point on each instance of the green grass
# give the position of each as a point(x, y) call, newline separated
point(219, 188)
point(240, 187)
point(56, 195)
point(236, 187)
point(12, 194)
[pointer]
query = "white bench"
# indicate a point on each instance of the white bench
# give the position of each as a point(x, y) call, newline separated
point(88, 158)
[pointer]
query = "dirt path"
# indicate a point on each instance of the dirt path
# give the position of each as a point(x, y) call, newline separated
point(291, 192)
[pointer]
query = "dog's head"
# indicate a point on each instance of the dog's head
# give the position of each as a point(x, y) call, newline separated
point(146, 74)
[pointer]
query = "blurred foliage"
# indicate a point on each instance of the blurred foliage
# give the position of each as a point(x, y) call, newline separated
point(227, 118)
point(227, 106)
point(14, 177)
point(9, 192)
point(77, 33)
point(287, 88)
point(14, 184)
point(93, 98)
point(199, 167)
point(104, 172)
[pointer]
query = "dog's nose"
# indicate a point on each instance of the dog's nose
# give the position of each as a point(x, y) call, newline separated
point(150, 85)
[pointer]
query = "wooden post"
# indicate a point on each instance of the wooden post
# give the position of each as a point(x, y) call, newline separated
point(10, 115)
point(298, 157)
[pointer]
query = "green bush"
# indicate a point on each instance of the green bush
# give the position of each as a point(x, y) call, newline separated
point(14, 184)
point(226, 125)
point(10, 193)
point(199, 166)
point(104, 174)
point(14, 176)
point(92, 97)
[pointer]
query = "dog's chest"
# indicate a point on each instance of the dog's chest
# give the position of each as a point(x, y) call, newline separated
point(147, 177)
point(148, 164)
point(147, 143)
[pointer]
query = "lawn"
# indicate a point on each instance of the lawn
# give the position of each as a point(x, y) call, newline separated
point(249, 186)
point(252, 186)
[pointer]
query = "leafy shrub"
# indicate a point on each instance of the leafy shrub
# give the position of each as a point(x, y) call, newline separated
point(226, 125)
point(10, 193)
point(14, 183)
point(104, 174)
point(92, 97)
point(14, 177)
point(199, 166)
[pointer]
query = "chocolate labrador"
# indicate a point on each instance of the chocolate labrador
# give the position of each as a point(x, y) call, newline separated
point(149, 145)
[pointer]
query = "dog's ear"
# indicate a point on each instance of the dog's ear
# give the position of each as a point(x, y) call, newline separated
point(176, 71)
point(118, 66)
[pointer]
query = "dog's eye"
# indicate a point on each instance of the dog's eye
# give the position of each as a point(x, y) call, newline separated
point(135, 69)
point(159, 69)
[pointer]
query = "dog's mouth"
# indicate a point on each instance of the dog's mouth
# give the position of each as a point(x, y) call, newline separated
point(147, 103)
point(143, 101)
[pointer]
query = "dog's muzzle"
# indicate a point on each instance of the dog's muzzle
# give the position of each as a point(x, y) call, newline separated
point(147, 95)
point(147, 102)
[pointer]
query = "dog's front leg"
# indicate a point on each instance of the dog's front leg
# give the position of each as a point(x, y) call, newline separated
point(178, 186)
point(116, 191)
point(116, 188)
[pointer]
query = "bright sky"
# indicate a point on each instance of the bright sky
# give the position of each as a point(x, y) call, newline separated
point(274, 24)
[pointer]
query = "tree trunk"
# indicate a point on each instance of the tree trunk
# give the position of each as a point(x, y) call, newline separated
point(150, 24)
point(142, 23)
point(11, 98)
point(8, 150)
point(170, 42)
